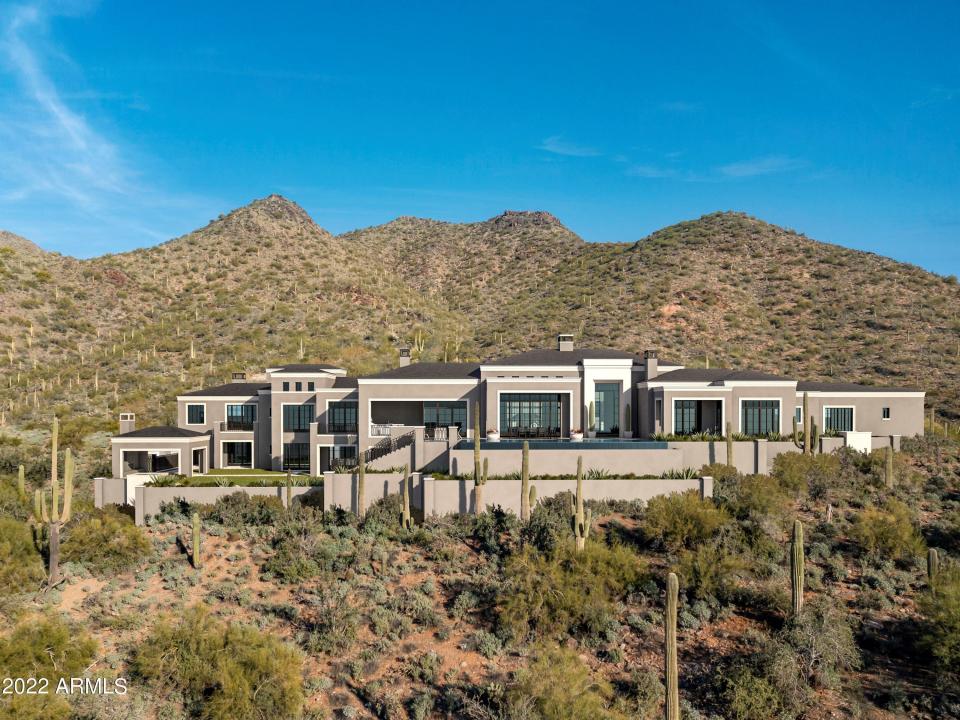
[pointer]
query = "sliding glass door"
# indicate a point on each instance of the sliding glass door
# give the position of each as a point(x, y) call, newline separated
point(531, 415)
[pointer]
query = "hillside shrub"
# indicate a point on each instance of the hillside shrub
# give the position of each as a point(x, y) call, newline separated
point(887, 532)
point(11, 504)
point(681, 520)
point(21, 567)
point(558, 686)
point(240, 510)
point(799, 474)
point(710, 572)
point(940, 606)
point(43, 646)
point(106, 541)
point(565, 592)
point(224, 671)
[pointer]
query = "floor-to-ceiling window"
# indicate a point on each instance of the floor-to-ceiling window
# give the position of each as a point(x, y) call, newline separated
point(296, 457)
point(442, 413)
point(342, 416)
point(238, 454)
point(241, 417)
point(838, 419)
point(530, 414)
point(607, 407)
point(686, 418)
point(760, 417)
point(297, 418)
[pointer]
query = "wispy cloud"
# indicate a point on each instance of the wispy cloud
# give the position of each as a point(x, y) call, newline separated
point(755, 167)
point(557, 145)
point(54, 159)
point(768, 165)
point(937, 96)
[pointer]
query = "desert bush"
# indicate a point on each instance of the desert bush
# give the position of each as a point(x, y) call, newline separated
point(549, 523)
point(496, 530)
point(755, 497)
point(558, 686)
point(224, 671)
point(940, 606)
point(798, 474)
point(240, 510)
point(822, 642)
point(887, 531)
point(106, 541)
point(21, 567)
point(551, 595)
point(43, 646)
point(11, 504)
point(709, 572)
point(681, 520)
point(334, 620)
point(748, 695)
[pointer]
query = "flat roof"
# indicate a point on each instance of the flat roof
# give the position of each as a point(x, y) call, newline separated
point(161, 431)
point(231, 389)
point(430, 371)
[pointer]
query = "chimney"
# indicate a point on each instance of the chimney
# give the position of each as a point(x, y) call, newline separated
point(404, 356)
point(238, 377)
point(565, 343)
point(128, 422)
point(650, 363)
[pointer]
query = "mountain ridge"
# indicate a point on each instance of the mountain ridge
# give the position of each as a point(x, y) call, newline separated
point(252, 286)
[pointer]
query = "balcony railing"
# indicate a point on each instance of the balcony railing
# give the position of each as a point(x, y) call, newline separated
point(341, 427)
point(237, 426)
point(382, 430)
point(439, 433)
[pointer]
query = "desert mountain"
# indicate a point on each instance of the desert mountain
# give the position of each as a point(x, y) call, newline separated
point(130, 330)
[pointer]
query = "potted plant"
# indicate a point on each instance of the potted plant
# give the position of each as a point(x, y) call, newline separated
point(493, 435)
point(576, 435)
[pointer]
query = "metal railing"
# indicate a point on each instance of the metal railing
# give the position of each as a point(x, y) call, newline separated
point(236, 426)
point(341, 427)
point(387, 446)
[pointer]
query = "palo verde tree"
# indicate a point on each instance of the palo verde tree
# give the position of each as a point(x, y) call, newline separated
point(56, 516)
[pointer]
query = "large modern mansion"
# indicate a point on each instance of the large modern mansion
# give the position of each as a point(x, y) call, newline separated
point(312, 418)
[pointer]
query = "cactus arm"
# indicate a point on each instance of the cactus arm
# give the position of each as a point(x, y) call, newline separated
point(68, 471)
point(39, 513)
point(405, 520)
point(796, 433)
point(814, 436)
point(54, 447)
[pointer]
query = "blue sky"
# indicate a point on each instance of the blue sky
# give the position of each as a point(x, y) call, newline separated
point(124, 124)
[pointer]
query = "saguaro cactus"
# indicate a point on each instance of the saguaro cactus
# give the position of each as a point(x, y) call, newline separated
point(525, 482)
point(628, 418)
point(808, 431)
point(580, 520)
point(729, 439)
point(21, 482)
point(405, 520)
point(670, 649)
point(796, 567)
point(56, 516)
point(361, 488)
point(532, 498)
point(592, 416)
point(289, 488)
point(933, 565)
point(195, 554)
point(889, 479)
point(478, 490)
point(476, 442)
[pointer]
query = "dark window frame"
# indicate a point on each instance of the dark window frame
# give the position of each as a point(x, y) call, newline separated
point(343, 416)
point(531, 415)
point(297, 418)
point(203, 414)
point(760, 417)
point(837, 419)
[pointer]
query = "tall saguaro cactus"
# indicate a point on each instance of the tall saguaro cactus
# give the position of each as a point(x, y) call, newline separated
point(809, 429)
point(933, 565)
point(889, 479)
point(361, 488)
point(580, 520)
point(729, 439)
point(478, 490)
point(476, 442)
point(796, 567)
point(405, 520)
point(289, 490)
point(56, 516)
point(592, 416)
point(525, 482)
point(195, 553)
point(22, 482)
point(670, 649)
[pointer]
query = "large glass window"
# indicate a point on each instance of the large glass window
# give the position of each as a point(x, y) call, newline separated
point(297, 418)
point(760, 417)
point(342, 416)
point(296, 457)
point(530, 414)
point(444, 414)
point(607, 407)
point(838, 419)
point(238, 454)
point(241, 417)
point(196, 414)
point(685, 417)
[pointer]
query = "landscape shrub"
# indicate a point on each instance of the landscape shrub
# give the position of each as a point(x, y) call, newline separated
point(822, 642)
point(748, 695)
point(333, 620)
point(105, 541)
point(224, 671)
point(709, 572)
point(940, 606)
point(11, 504)
point(496, 531)
point(681, 520)
point(558, 686)
point(43, 646)
point(798, 473)
point(887, 531)
point(566, 592)
point(21, 566)
point(755, 497)
point(239, 510)
point(549, 523)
